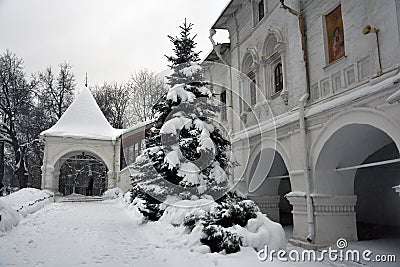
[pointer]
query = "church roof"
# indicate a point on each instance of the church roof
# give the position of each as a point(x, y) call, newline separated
point(227, 13)
point(83, 119)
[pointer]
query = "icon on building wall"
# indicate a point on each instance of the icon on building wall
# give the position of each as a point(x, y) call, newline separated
point(335, 34)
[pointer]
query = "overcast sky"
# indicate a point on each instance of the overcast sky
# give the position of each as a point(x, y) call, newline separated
point(109, 39)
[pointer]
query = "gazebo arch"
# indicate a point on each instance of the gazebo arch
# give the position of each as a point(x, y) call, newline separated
point(82, 128)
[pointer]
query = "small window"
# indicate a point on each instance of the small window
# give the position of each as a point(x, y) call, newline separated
point(260, 10)
point(131, 154)
point(253, 90)
point(223, 109)
point(335, 34)
point(223, 100)
point(278, 76)
point(253, 94)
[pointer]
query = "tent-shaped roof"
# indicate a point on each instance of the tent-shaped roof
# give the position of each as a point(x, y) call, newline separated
point(83, 119)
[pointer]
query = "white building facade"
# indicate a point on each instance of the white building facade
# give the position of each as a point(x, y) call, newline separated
point(311, 93)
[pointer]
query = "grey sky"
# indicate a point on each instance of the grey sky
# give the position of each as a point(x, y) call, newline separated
point(109, 39)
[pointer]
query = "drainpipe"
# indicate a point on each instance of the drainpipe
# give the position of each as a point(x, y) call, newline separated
point(44, 166)
point(303, 40)
point(114, 142)
point(241, 102)
point(306, 169)
point(303, 135)
point(217, 51)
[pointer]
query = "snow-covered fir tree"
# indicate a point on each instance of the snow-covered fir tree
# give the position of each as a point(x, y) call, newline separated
point(186, 154)
point(185, 163)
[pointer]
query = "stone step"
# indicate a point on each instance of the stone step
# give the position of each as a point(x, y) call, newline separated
point(81, 199)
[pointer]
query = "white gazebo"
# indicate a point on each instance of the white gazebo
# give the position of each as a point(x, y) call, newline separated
point(81, 129)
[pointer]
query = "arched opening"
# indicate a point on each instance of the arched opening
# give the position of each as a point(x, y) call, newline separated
point(285, 209)
point(378, 209)
point(83, 174)
point(268, 185)
point(356, 170)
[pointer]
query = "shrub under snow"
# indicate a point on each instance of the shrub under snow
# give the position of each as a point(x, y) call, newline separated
point(226, 226)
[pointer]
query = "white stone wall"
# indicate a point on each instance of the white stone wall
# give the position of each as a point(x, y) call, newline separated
point(282, 25)
point(344, 93)
point(124, 179)
point(361, 60)
point(57, 148)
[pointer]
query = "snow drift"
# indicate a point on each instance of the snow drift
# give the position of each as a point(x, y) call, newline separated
point(114, 193)
point(9, 217)
point(204, 221)
point(21, 203)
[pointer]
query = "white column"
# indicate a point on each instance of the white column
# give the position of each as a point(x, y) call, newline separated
point(111, 178)
point(47, 177)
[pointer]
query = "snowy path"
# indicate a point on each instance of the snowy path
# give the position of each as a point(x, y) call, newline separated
point(102, 234)
point(71, 234)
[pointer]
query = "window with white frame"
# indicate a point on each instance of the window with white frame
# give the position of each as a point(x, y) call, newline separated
point(259, 10)
point(274, 66)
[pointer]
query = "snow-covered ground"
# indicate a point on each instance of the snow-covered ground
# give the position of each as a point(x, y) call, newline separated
point(104, 234)
point(17, 205)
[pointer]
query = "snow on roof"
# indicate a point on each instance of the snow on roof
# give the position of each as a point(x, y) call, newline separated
point(226, 14)
point(83, 119)
point(140, 126)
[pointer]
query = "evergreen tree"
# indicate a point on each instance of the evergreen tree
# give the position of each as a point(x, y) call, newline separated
point(184, 54)
point(186, 154)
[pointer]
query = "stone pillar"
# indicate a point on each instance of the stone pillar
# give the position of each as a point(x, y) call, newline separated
point(300, 228)
point(297, 198)
point(112, 179)
point(335, 218)
point(48, 177)
point(268, 205)
point(56, 181)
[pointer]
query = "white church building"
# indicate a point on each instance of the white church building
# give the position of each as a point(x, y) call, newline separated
point(311, 92)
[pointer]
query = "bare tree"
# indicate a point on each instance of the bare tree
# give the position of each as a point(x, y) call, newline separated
point(113, 100)
point(15, 106)
point(146, 90)
point(56, 93)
